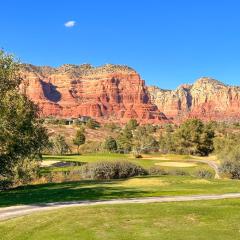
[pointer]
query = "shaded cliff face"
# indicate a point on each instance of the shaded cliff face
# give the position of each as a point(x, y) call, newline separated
point(207, 99)
point(110, 92)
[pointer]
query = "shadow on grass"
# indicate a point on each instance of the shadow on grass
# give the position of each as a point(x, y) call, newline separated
point(59, 158)
point(91, 157)
point(70, 191)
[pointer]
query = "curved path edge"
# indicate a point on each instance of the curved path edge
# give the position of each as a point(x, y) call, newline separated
point(212, 165)
point(17, 211)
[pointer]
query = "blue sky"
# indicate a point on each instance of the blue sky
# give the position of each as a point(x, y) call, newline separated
point(168, 42)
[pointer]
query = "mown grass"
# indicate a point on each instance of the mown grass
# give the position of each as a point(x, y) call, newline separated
point(87, 157)
point(196, 220)
point(134, 187)
point(148, 160)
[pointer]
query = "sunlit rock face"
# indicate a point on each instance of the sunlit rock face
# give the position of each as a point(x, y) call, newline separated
point(117, 93)
point(207, 99)
point(107, 93)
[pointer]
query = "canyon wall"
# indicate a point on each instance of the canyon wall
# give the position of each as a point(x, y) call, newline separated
point(207, 99)
point(107, 93)
point(117, 93)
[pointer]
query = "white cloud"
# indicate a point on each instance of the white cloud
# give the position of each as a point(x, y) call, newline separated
point(70, 24)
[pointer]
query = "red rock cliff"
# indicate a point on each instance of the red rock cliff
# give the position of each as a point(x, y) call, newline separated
point(110, 92)
point(207, 99)
point(117, 93)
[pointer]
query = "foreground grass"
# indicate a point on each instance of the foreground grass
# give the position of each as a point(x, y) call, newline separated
point(134, 187)
point(199, 220)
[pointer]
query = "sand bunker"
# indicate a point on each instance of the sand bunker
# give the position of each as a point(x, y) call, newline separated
point(201, 181)
point(157, 158)
point(48, 163)
point(176, 164)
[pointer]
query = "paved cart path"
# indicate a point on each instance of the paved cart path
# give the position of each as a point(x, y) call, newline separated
point(213, 165)
point(17, 211)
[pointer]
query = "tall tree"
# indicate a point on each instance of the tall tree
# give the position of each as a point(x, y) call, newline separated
point(60, 145)
point(131, 124)
point(194, 137)
point(22, 135)
point(143, 141)
point(124, 140)
point(79, 138)
point(110, 144)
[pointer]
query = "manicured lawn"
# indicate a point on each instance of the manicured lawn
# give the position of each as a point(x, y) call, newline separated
point(199, 220)
point(87, 157)
point(134, 187)
point(147, 161)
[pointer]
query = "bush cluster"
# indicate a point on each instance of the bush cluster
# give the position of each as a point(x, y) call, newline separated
point(111, 170)
point(231, 169)
point(157, 171)
point(228, 150)
point(203, 173)
point(161, 172)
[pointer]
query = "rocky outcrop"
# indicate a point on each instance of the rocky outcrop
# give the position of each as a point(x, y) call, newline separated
point(207, 99)
point(117, 93)
point(110, 92)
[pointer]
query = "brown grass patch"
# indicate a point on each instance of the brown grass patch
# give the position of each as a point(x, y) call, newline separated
point(144, 182)
point(176, 164)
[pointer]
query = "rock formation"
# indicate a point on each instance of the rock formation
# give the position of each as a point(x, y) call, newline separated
point(110, 92)
point(207, 99)
point(117, 93)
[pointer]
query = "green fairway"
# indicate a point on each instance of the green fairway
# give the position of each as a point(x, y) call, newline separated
point(148, 160)
point(87, 157)
point(134, 187)
point(199, 220)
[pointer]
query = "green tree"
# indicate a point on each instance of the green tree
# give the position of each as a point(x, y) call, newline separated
point(110, 144)
point(79, 139)
point(131, 124)
point(92, 124)
point(167, 143)
point(22, 135)
point(60, 145)
point(225, 145)
point(194, 137)
point(124, 140)
point(227, 148)
point(143, 141)
point(113, 127)
point(169, 128)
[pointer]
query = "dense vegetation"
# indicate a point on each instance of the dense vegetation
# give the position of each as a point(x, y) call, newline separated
point(227, 148)
point(191, 137)
point(22, 135)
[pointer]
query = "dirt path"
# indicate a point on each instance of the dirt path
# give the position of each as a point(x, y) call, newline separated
point(211, 164)
point(17, 211)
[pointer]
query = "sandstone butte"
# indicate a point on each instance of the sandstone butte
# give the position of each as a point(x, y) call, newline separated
point(117, 93)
